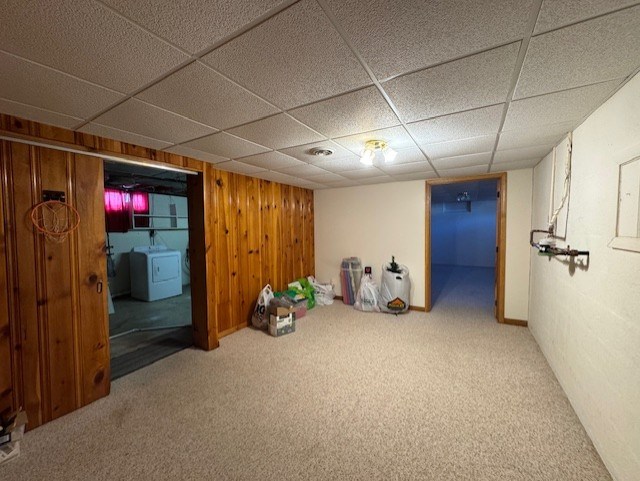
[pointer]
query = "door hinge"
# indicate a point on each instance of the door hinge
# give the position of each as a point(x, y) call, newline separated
point(497, 249)
point(498, 194)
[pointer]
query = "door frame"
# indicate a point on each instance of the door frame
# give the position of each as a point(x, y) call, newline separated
point(501, 234)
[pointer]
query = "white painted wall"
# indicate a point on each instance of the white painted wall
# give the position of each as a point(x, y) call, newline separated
point(372, 222)
point(462, 238)
point(123, 242)
point(376, 221)
point(516, 291)
point(587, 320)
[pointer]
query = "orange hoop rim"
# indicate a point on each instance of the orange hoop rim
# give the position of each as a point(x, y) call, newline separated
point(44, 230)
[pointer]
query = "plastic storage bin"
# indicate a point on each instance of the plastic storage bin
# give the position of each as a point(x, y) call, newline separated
point(350, 277)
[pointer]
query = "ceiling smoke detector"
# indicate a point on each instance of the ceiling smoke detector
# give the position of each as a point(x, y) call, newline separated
point(321, 152)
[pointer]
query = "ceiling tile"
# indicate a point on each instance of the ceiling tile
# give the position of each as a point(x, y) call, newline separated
point(341, 165)
point(36, 114)
point(226, 145)
point(304, 170)
point(409, 155)
point(478, 170)
point(358, 111)
point(470, 160)
point(196, 154)
point(558, 107)
point(272, 161)
point(199, 93)
point(145, 119)
point(326, 178)
point(412, 168)
point(460, 147)
point(313, 186)
point(525, 153)
point(416, 176)
point(28, 83)
point(294, 58)
point(392, 36)
point(601, 49)
point(305, 184)
point(557, 13)
point(303, 152)
point(461, 125)
point(383, 179)
point(277, 132)
point(277, 177)
point(239, 167)
point(476, 81)
point(535, 135)
point(342, 183)
point(359, 174)
point(193, 24)
point(519, 164)
point(123, 136)
point(396, 137)
point(86, 39)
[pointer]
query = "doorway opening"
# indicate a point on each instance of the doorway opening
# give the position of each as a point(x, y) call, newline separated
point(466, 222)
point(148, 264)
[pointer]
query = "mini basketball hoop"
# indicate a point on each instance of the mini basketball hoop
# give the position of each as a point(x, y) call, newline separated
point(55, 219)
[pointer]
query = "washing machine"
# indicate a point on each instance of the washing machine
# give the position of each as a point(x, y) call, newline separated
point(156, 272)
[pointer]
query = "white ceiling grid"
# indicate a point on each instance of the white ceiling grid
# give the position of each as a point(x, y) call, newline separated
point(456, 87)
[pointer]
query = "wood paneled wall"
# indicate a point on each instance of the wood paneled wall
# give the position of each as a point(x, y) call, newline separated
point(263, 234)
point(54, 346)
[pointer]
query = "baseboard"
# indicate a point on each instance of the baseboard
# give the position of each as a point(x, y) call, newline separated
point(515, 322)
point(411, 308)
point(232, 330)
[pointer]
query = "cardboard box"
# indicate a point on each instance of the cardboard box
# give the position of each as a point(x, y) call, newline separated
point(11, 432)
point(281, 325)
point(279, 311)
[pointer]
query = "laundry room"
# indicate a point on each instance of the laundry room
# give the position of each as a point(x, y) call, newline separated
point(147, 239)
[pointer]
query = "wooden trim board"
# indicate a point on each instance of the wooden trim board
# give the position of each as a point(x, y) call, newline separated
point(501, 235)
point(516, 322)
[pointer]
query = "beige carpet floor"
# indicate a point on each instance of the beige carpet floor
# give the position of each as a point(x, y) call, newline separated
point(447, 396)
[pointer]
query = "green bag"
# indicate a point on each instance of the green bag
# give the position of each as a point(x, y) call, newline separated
point(309, 292)
point(302, 287)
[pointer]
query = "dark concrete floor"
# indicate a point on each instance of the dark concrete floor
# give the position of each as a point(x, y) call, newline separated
point(166, 329)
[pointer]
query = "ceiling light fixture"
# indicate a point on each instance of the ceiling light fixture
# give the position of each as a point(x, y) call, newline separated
point(371, 147)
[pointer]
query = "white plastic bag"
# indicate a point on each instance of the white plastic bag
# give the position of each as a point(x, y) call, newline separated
point(368, 295)
point(260, 317)
point(324, 292)
point(395, 288)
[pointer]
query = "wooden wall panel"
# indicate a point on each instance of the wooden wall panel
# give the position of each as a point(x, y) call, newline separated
point(254, 244)
point(8, 385)
point(244, 302)
point(25, 283)
point(56, 301)
point(268, 233)
point(92, 321)
point(223, 244)
point(251, 232)
point(308, 234)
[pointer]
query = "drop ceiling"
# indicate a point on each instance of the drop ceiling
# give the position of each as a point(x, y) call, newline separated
point(456, 87)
